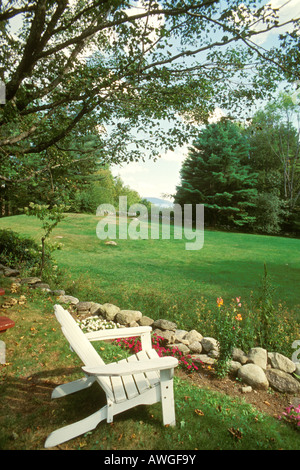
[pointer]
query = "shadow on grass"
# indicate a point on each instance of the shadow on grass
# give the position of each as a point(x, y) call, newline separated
point(28, 413)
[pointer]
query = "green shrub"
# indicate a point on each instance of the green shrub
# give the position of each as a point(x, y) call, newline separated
point(18, 251)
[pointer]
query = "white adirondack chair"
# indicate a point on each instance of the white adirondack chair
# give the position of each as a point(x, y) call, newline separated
point(144, 378)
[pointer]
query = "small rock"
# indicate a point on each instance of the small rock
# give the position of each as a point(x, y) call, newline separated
point(58, 292)
point(30, 280)
point(213, 353)
point(234, 366)
point(112, 243)
point(203, 358)
point(246, 389)
point(41, 285)
point(165, 325)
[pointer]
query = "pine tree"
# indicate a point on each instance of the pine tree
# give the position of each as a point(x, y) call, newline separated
point(216, 173)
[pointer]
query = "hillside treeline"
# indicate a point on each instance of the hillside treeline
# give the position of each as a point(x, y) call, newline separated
point(247, 176)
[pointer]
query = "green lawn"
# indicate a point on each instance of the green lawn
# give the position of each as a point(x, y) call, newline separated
point(154, 276)
point(164, 272)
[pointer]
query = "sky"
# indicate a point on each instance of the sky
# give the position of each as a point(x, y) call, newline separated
point(156, 179)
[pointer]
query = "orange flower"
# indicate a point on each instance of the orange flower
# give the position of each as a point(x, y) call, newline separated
point(239, 317)
point(220, 301)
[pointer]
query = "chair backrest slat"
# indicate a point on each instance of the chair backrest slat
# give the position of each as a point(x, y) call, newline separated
point(80, 344)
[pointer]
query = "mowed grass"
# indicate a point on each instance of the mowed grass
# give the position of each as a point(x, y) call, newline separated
point(157, 274)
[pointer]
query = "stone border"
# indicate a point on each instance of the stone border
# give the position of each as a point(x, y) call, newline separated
point(258, 368)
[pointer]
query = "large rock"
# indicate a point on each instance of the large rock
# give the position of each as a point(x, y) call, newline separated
point(127, 317)
point(253, 375)
point(146, 321)
point(278, 361)
point(83, 307)
point(209, 344)
point(234, 366)
point(193, 336)
point(196, 347)
point(203, 359)
point(41, 285)
point(259, 357)
point(167, 335)
point(164, 325)
point(282, 381)
point(30, 280)
point(179, 335)
point(239, 356)
point(183, 348)
point(109, 311)
point(95, 308)
point(10, 272)
point(68, 299)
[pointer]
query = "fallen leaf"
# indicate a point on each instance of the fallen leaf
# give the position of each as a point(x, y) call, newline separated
point(236, 433)
point(199, 412)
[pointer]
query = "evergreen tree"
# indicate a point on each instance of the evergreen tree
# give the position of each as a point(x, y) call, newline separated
point(216, 173)
point(275, 155)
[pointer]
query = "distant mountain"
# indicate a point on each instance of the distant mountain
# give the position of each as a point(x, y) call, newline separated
point(159, 202)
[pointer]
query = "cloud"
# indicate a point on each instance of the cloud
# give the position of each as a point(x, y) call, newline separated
point(176, 156)
point(130, 169)
point(287, 10)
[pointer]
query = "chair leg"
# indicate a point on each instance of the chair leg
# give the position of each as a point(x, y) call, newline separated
point(167, 397)
point(76, 429)
point(72, 387)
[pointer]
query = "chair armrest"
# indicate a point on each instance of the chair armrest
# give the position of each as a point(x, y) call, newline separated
point(115, 333)
point(143, 331)
point(129, 368)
